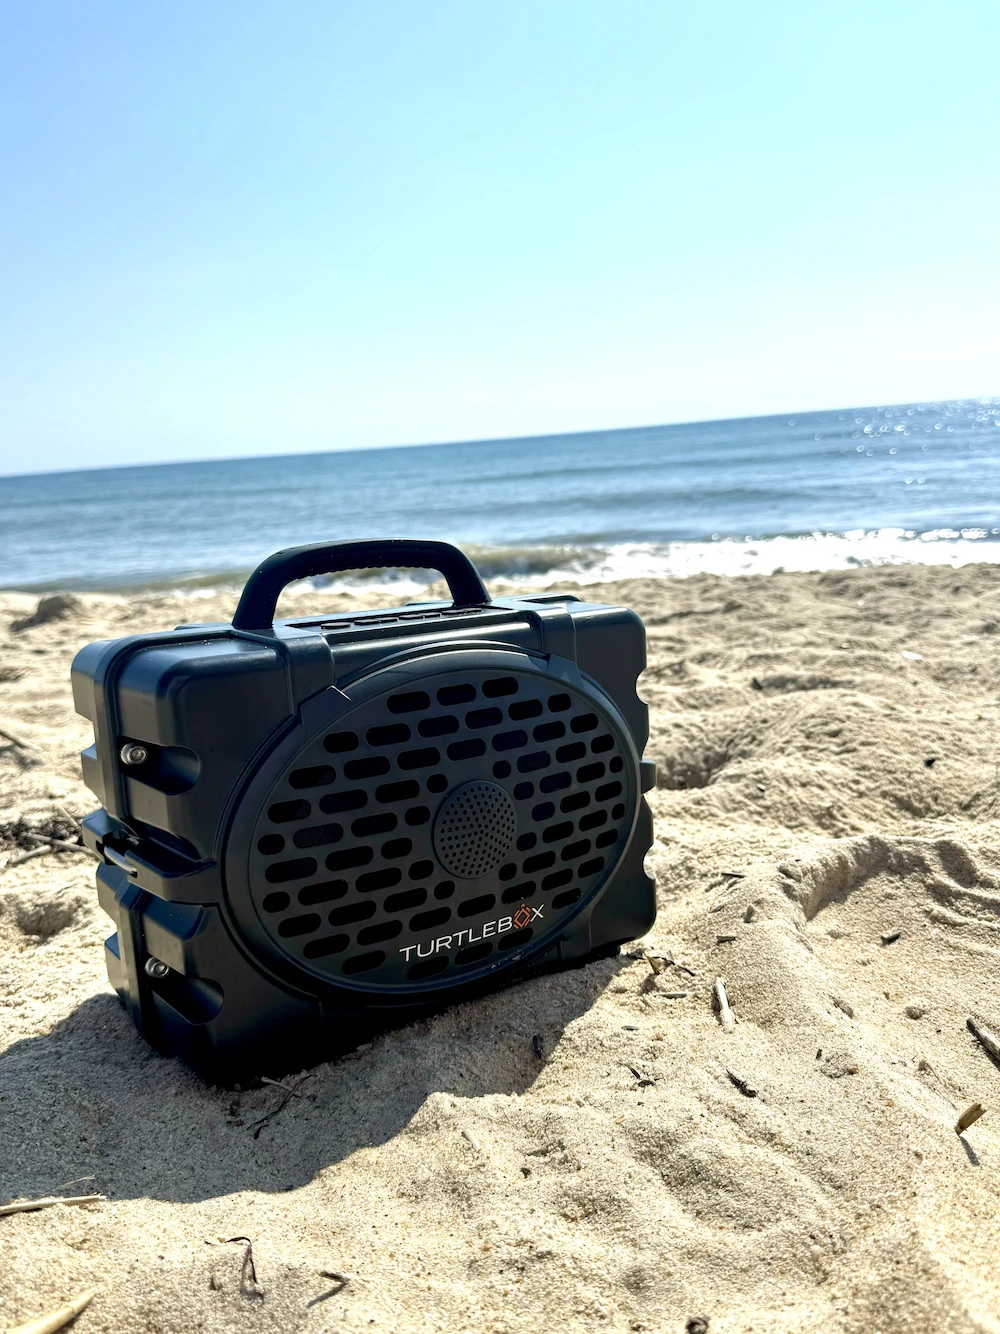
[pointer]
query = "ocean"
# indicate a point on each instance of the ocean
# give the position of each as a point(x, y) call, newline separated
point(807, 491)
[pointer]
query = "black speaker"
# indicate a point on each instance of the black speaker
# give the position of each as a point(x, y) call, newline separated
point(319, 827)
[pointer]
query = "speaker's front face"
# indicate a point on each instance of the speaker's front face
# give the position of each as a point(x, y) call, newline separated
point(437, 832)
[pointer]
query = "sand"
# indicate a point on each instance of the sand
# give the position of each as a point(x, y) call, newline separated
point(832, 741)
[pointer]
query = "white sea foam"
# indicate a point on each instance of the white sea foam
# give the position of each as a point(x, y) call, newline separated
point(541, 567)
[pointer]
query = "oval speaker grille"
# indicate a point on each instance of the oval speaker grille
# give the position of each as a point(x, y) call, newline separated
point(433, 832)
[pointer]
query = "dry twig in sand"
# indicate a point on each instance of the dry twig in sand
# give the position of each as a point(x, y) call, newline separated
point(62, 845)
point(248, 1272)
point(42, 851)
point(26, 1206)
point(722, 1005)
point(16, 740)
point(970, 1115)
point(48, 1324)
point(744, 1085)
point(988, 1040)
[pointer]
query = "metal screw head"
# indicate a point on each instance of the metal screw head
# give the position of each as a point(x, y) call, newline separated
point(134, 754)
point(156, 967)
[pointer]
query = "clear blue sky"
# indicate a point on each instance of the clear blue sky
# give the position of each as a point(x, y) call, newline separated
point(237, 228)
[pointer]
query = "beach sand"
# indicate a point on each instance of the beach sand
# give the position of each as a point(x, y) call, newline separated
point(827, 748)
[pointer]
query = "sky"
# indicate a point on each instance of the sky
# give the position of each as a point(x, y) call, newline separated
point(241, 228)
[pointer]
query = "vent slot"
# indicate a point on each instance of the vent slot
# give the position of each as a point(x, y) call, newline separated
point(587, 773)
point(554, 782)
point(324, 946)
point(500, 685)
point(276, 902)
point(405, 790)
point(426, 921)
point(390, 735)
point(477, 718)
point(298, 869)
point(374, 824)
point(443, 725)
point(557, 878)
point(351, 912)
point(467, 750)
point(449, 695)
point(593, 821)
point(348, 857)
point(524, 708)
point(363, 963)
point(284, 811)
point(559, 703)
point(518, 892)
point(539, 759)
point(300, 926)
point(384, 879)
point(323, 892)
point(339, 742)
point(413, 702)
point(574, 751)
point(317, 835)
point(336, 802)
point(575, 803)
point(320, 775)
point(374, 766)
point(602, 743)
point(418, 759)
point(510, 740)
point(476, 907)
point(271, 844)
point(409, 898)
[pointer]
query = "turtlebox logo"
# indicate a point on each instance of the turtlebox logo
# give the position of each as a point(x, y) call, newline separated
point(499, 927)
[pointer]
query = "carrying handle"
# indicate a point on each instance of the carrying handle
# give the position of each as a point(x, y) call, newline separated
point(263, 588)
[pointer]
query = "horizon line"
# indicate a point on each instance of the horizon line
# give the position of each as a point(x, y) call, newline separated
point(492, 440)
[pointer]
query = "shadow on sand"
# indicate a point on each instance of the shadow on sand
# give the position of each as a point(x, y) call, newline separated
point(91, 1100)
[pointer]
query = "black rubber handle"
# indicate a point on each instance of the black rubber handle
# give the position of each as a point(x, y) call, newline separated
point(263, 588)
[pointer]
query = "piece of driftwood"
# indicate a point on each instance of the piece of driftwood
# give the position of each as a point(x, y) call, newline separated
point(44, 850)
point(27, 1206)
point(969, 1116)
point(983, 1035)
point(722, 1005)
point(63, 845)
point(47, 1324)
point(16, 740)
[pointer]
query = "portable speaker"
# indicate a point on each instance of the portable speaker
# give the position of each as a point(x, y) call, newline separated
point(315, 828)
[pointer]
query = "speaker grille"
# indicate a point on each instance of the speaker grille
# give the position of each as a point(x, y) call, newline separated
point(474, 829)
point(434, 830)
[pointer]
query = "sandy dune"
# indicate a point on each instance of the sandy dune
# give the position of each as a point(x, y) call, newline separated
point(832, 742)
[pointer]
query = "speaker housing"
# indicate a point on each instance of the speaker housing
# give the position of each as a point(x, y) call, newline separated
point(318, 827)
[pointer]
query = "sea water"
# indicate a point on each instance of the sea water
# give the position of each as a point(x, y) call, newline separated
point(817, 490)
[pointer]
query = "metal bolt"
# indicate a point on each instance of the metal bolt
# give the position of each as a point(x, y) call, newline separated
point(134, 754)
point(156, 967)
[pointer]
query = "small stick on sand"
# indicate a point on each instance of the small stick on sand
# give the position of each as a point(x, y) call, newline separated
point(722, 1004)
point(970, 1115)
point(744, 1086)
point(890, 937)
point(63, 846)
point(724, 940)
point(733, 875)
point(656, 964)
point(989, 1040)
point(292, 1093)
point(248, 1273)
point(27, 1206)
point(16, 740)
point(73, 819)
point(673, 995)
point(42, 851)
point(47, 1324)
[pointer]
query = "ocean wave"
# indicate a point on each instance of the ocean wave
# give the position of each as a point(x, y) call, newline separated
point(542, 566)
